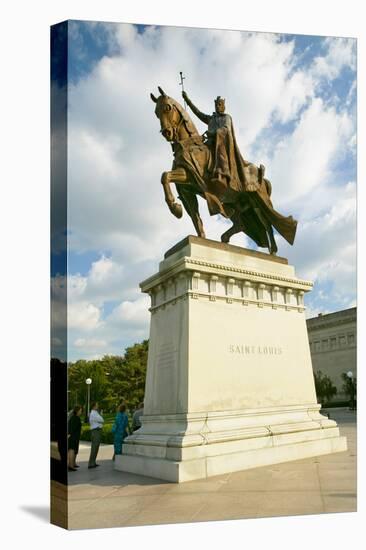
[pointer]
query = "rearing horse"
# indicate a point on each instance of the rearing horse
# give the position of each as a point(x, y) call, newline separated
point(251, 211)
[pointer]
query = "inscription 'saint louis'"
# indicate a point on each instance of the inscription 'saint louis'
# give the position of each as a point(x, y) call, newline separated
point(242, 349)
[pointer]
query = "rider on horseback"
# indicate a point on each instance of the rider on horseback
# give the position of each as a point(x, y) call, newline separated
point(229, 170)
point(215, 170)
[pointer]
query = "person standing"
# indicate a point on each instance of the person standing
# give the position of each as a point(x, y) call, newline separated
point(74, 432)
point(120, 429)
point(96, 422)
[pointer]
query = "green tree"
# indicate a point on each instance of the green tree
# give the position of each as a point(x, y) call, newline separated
point(78, 372)
point(115, 378)
point(324, 387)
point(350, 388)
point(128, 380)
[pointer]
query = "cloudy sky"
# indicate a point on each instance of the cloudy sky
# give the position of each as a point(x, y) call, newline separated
point(293, 103)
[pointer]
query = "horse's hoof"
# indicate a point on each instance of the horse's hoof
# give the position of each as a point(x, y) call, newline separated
point(177, 210)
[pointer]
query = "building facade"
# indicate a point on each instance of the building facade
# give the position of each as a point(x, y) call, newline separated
point(333, 340)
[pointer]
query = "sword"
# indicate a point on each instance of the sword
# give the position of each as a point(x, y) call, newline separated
point(182, 84)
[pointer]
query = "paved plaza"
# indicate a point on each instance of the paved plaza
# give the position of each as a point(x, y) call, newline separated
point(103, 497)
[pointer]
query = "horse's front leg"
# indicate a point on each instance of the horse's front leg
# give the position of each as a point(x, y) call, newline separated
point(190, 202)
point(177, 176)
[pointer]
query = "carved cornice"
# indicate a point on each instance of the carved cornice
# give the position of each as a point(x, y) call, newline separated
point(191, 264)
point(250, 272)
point(230, 299)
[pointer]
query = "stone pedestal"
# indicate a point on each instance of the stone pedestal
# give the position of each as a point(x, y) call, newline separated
point(229, 379)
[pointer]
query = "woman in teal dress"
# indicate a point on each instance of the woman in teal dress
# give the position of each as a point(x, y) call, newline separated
point(121, 429)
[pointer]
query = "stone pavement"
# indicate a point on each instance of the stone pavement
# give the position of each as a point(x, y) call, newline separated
point(103, 497)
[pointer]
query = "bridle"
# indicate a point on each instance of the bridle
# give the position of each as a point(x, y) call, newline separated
point(182, 120)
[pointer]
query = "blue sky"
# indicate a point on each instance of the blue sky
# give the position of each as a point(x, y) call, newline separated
point(293, 103)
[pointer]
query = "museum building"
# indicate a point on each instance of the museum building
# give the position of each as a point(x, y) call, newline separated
point(332, 339)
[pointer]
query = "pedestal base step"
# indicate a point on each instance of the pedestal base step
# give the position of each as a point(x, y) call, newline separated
point(207, 466)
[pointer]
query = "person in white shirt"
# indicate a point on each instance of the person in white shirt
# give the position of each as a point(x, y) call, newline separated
point(96, 422)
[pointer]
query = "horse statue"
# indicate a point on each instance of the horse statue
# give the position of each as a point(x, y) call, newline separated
point(244, 197)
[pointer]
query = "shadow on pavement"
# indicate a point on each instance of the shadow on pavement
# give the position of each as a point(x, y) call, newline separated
point(106, 475)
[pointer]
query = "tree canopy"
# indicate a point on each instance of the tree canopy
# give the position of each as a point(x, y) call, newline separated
point(115, 378)
point(350, 388)
point(324, 387)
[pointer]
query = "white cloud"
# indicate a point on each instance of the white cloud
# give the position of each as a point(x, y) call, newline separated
point(89, 343)
point(91, 332)
point(132, 314)
point(103, 269)
point(302, 160)
point(325, 251)
point(83, 316)
point(105, 280)
point(76, 286)
point(297, 91)
point(341, 53)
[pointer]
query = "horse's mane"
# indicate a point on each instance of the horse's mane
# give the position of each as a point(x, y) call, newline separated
point(185, 115)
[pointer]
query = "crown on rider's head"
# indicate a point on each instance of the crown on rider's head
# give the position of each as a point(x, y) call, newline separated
point(219, 98)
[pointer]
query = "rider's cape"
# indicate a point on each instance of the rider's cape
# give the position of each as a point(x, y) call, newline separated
point(246, 192)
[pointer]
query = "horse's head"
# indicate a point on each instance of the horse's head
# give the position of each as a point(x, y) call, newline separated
point(171, 115)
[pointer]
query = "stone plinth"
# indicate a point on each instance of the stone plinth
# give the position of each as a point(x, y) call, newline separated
point(229, 379)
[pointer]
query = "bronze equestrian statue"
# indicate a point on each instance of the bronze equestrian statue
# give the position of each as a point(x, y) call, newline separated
point(212, 166)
